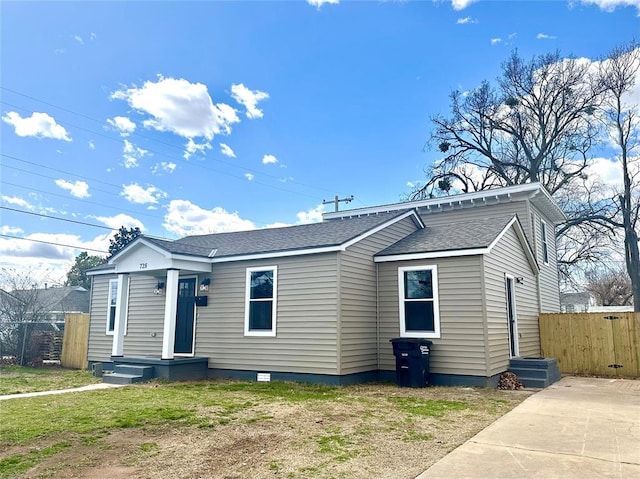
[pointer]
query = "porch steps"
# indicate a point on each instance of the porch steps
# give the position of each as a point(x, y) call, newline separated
point(128, 374)
point(535, 372)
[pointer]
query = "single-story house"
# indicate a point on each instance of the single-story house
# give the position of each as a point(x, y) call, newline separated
point(321, 302)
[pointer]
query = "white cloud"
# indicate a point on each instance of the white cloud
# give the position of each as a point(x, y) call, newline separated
point(193, 147)
point(58, 51)
point(495, 41)
point(117, 221)
point(38, 124)
point(91, 144)
point(14, 200)
point(185, 218)
point(180, 107)
point(249, 176)
point(163, 167)
point(466, 20)
point(79, 189)
point(314, 215)
point(78, 39)
point(319, 3)
point(544, 36)
point(269, 159)
point(227, 151)
point(249, 99)
point(10, 230)
point(131, 154)
point(611, 5)
point(461, 4)
point(607, 171)
point(123, 124)
point(135, 193)
point(93, 36)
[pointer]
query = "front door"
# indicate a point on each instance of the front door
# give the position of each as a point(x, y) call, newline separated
point(185, 316)
point(512, 318)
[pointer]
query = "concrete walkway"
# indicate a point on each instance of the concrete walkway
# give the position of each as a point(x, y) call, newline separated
point(90, 387)
point(577, 428)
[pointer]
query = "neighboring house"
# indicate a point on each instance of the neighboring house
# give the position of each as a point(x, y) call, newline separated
point(576, 302)
point(321, 302)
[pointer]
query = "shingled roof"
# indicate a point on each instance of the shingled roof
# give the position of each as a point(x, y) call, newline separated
point(458, 236)
point(275, 240)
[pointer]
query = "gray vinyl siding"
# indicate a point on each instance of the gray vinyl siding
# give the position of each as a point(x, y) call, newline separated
point(100, 343)
point(358, 298)
point(306, 325)
point(461, 346)
point(549, 285)
point(145, 316)
point(508, 258)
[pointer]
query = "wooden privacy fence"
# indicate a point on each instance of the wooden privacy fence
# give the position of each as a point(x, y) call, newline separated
point(76, 341)
point(599, 344)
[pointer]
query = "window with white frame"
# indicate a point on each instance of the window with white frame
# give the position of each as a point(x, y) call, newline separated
point(111, 305)
point(545, 245)
point(419, 309)
point(261, 301)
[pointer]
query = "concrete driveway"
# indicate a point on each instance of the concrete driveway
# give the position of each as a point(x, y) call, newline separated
point(577, 428)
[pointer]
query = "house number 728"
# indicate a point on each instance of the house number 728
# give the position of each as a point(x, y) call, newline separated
point(143, 265)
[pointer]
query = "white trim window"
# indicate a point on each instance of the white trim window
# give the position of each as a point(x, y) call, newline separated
point(111, 305)
point(261, 295)
point(545, 244)
point(418, 296)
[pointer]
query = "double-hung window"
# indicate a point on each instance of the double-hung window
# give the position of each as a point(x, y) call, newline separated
point(419, 309)
point(261, 301)
point(111, 305)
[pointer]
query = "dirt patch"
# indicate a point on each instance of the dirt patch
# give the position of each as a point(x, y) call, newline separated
point(373, 431)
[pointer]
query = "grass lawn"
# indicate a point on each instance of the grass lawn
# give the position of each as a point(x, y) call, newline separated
point(232, 429)
point(19, 379)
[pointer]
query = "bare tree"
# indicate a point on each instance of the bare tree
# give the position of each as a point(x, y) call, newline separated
point(21, 305)
point(618, 73)
point(609, 286)
point(543, 123)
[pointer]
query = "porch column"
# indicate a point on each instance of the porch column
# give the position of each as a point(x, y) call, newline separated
point(121, 314)
point(170, 311)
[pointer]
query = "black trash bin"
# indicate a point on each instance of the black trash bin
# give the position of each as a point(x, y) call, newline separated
point(412, 361)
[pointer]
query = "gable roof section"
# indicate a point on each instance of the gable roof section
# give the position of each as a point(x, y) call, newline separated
point(290, 240)
point(335, 235)
point(535, 192)
point(471, 237)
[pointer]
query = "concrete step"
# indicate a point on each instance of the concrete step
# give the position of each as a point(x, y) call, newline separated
point(535, 372)
point(122, 378)
point(146, 372)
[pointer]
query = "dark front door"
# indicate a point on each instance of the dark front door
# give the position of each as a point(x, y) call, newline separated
point(185, 316)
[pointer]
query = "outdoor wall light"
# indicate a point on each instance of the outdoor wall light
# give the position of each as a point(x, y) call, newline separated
point(159, 289)
point(204, 284)
point(520, 280)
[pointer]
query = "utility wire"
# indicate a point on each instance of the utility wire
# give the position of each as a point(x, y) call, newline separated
point(101, 122)
point(57, 218)
point(54, 244)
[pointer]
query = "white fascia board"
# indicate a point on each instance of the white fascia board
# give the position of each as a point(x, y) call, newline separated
point(431, 255)
point(102, 271)
point(277, 254)
point(139, 240)
point(507, 193)
point(523, 241)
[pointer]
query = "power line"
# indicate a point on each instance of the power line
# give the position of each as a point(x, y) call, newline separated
point(53, 243)
point(58, 218)
point(136, 134)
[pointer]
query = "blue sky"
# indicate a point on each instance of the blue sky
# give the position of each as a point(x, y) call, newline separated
point(198, 117)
